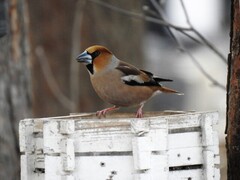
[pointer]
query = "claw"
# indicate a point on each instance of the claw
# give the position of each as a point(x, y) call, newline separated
point(139, 113)
point(103, 112)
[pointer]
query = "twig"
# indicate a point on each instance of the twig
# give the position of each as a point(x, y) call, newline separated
point(185, 13)
point(140, 16)
point(191, 37)
point(157, 7)
point(208, 44)
point(205, 41)
point(207, 75)
point(161, 16)
point(199, 66)
point(149, 11)
point(183, 49)
point(42, 58)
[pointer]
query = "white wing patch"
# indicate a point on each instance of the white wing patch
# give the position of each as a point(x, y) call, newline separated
point(130, 78)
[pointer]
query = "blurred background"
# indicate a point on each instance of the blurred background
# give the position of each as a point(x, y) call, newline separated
point(187, 41)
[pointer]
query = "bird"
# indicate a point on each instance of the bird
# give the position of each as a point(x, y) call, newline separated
point(120, 83)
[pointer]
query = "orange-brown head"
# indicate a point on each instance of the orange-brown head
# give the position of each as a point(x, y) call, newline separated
point(96, 58)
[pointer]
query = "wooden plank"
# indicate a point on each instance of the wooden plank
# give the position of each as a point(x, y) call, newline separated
point(105, 142)
point(189, 156)
point(184, 140)
point(84, 121)
point(190, 119)
point(26, 141)
point(92, 168)
point(208, 157)
point(175, 121)
point(24, 168)
point(141, 153)
point(158, 168)
point(153, 123)
point(52, 137)
point(193, 139)
point(84, 124)
point(114, 140)
point(207, 132)
point(185, 156)
point(107, 167)
point(67, 154)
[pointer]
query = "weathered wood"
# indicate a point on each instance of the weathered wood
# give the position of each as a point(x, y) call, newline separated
point(233, 96)
point(160, 145)
point(14, 85)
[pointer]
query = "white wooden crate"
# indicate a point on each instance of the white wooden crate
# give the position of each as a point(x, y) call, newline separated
point(163, 145)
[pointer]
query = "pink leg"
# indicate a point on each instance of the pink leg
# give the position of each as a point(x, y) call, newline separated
point(139, 113)
point(105, 111)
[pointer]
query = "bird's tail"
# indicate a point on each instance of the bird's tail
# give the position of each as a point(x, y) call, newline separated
point(168, 90)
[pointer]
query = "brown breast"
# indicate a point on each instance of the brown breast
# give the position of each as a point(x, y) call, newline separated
point(111, 89)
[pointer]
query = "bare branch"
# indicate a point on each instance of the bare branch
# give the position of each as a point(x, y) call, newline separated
point(210, 45)
point(149, 11)
point(191, 37)
point(139, 16)
point(42, 58)
point(198, 65)
point(205, 41)
point(185, 13)
point(157, 7)
point(181, 46)
point(162, 17)
point(207, 75)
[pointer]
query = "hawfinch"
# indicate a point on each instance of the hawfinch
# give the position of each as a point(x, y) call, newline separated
point(118, 82)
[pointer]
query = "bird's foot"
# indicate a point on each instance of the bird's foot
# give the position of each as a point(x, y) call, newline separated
point(139, 113)
point(103, 112)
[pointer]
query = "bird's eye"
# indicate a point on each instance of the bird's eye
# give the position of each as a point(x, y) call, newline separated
point(95, 54)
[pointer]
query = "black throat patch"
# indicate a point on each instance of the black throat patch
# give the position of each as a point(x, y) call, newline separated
point(90, 68)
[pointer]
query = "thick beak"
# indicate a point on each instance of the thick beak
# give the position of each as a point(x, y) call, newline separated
point(84, 58)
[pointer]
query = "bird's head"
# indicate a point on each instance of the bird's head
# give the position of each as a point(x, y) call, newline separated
point(96, 58)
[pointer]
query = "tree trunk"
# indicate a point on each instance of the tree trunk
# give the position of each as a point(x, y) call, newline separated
point(233, 96)
point(14, 86)
point(51, 33)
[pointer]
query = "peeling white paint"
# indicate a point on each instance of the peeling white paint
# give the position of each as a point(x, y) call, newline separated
point(121, 148)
